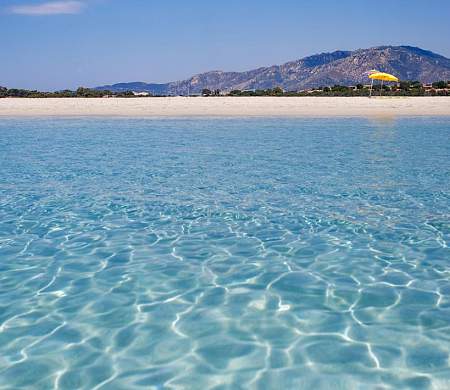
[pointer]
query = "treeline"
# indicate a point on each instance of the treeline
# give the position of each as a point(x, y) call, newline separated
point(277, 91)
point(404, 88)
point(80, 92)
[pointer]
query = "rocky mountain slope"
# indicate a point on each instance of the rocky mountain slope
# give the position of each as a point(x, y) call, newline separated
point(339, 67)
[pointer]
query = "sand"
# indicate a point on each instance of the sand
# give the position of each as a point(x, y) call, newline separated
point(227, 106)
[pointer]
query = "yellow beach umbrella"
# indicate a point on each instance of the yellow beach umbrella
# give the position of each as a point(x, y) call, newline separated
point(375, 75)
point(383, 76)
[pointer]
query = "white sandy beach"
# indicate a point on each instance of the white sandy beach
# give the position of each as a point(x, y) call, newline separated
point(227, 106)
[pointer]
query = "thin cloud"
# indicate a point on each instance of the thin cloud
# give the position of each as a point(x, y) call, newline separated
point(49, 8)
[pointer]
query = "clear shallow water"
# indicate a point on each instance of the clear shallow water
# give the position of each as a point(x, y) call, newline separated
point(266, 254)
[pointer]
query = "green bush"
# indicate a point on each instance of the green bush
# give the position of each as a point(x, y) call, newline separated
point(440, 84)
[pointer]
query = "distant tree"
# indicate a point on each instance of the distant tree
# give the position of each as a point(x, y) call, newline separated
point(327, 89)
point(235, 92)
point(65, 93)
point(340, 90)
point(217, 92)
point(206, 92)
point(121, 94)
point(81, 91)
point(405, 85)
point(416, 89)
point(14, 92)
point(87, 92)
point(440, 84)
point(277, 91)
point(359, 86)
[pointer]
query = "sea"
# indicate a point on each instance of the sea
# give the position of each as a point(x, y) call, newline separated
point(225, 253)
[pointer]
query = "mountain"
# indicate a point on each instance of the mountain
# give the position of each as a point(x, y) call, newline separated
point(339, 67)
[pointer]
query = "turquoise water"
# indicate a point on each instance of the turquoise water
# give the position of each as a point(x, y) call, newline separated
point(224, 254)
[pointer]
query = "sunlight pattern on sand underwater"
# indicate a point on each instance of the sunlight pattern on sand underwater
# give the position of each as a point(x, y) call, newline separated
point(225, 254)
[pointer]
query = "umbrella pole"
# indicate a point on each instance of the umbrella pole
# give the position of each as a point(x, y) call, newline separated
point(381, 90)
point(371, 86)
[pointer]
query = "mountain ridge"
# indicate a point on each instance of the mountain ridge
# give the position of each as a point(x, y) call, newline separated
point(338, 67)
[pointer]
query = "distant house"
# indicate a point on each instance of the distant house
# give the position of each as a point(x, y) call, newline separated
point(314, 90)
point(141, 93)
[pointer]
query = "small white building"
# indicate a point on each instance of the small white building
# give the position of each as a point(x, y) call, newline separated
point(141, 93)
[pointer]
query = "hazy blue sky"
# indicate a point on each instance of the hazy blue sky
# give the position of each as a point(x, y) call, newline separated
point(64, 44)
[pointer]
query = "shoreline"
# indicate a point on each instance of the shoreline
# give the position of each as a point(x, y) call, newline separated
point(265, 106)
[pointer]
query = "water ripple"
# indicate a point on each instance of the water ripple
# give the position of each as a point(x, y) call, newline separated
point(232, 253)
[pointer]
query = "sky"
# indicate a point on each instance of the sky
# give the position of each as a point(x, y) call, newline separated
point(51, 45)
